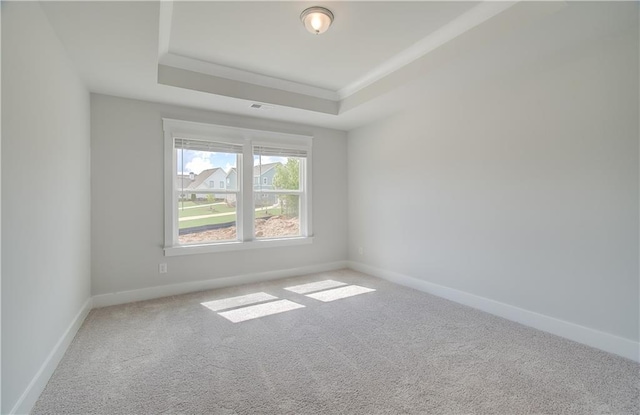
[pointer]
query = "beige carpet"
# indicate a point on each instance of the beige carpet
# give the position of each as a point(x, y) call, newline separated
point(393, 350)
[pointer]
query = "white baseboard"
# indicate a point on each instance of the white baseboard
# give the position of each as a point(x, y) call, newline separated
point(36, 386)
point(581, 334)
point(104, 300)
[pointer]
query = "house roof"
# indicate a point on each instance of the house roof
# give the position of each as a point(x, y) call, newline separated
point(265, 168)
point(200, 178)
point(183, 182)
point(256, 169)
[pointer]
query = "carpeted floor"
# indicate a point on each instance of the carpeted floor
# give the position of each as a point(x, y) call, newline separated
point(393, 350)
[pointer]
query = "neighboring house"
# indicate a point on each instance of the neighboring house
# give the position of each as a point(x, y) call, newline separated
point(209, 179)
point(232, 183)
point(182, 182)
point(262, 180)
point(218, 180)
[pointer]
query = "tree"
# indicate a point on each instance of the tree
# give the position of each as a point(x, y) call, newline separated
point(287, 177)
point(211, 199)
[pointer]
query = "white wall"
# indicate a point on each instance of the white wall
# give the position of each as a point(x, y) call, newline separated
point(127, 221)
point(45, 195)
point(523, 190)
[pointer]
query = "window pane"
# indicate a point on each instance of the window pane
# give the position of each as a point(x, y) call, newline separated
point(271, 173)
point(277, 215)
point(201, 221)
point(206, 217)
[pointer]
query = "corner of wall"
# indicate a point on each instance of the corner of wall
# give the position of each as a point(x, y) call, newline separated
point(29, 397)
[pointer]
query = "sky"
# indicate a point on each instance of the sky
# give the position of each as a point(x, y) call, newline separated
point(197, 161)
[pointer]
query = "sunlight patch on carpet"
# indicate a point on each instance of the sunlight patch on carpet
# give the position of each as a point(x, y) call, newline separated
point(314, 286)
point(339, 293)
point(260, 310)
point(239, 301)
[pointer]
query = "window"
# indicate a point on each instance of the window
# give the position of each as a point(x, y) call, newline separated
point(266, 200)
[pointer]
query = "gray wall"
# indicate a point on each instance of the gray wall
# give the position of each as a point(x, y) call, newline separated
point(523, 190)
point(45, 195)
point(127, 215)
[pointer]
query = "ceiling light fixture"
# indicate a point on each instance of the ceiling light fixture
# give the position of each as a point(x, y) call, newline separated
point(317, 19)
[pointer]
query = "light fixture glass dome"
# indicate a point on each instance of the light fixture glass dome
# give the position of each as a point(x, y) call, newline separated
point(317, 19)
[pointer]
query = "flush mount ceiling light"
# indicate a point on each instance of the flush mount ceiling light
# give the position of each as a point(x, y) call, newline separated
point(317, 19)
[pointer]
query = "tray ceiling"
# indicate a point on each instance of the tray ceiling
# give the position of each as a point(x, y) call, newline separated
point(267, 38)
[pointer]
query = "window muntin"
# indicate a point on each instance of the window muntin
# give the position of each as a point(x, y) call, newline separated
point(250, 194)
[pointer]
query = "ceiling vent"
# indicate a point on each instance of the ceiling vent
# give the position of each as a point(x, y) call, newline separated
point(263, 107)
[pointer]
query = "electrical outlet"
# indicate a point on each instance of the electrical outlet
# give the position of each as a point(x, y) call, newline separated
point(360, 250)
point(162, 268)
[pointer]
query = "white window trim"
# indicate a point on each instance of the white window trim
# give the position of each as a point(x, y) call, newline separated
point(244, 196)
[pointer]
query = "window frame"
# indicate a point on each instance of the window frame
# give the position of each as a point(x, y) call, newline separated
point(245, 218)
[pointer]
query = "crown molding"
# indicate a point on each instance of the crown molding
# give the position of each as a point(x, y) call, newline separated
point(220, 71)
point(248, 91)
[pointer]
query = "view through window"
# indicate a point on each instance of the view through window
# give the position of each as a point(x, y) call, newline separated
point(277, 192)
point(206, 213)
point(208, 190)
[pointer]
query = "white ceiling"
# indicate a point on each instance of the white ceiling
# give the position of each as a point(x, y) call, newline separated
point(268, 38)
point(123, 48)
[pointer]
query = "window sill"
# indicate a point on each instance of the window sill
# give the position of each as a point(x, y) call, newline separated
point(235, 246)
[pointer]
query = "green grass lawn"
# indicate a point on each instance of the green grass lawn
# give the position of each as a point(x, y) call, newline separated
point(191, 210)
point(271, 212)
point(207, 221)
point(189, 203)
point(217, 219)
